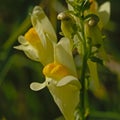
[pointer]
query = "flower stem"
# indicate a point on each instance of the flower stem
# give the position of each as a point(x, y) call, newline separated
point(83, 72)
point(83, 90)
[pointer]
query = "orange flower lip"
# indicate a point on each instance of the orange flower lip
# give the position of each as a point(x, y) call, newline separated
point(32, 37)
point(55, 70)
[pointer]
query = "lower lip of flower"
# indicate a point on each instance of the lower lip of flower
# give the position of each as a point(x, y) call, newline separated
point(55, 71)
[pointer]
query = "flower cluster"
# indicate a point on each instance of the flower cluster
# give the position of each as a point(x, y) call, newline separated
point(40, 44)
point(81, 27)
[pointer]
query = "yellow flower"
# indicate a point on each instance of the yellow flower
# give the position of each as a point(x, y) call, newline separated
point(38, 42)
point(103, 12)
point(61, 80)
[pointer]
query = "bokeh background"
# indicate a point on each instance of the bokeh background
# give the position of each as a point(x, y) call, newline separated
point(17, 101)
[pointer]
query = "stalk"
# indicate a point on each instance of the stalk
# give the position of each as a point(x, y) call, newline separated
point(83, 71)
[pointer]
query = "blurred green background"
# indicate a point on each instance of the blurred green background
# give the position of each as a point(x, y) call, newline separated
point(17, 101)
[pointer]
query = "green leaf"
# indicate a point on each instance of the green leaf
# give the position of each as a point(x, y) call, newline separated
point(96, 59)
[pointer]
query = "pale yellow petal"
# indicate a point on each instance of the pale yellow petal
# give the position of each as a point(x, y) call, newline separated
point(42, 25)
point(37, 86)
point(69, 80)
point(28, 49)
point(104, 13)
point(63, 55)
point(67, 99)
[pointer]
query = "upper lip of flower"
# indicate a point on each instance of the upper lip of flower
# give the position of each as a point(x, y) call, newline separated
point(42, 25)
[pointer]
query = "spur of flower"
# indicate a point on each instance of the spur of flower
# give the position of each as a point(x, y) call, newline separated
point(40, 44)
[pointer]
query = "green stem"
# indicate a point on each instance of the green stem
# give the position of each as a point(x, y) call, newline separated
point(83, 90)
point(82, 78)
